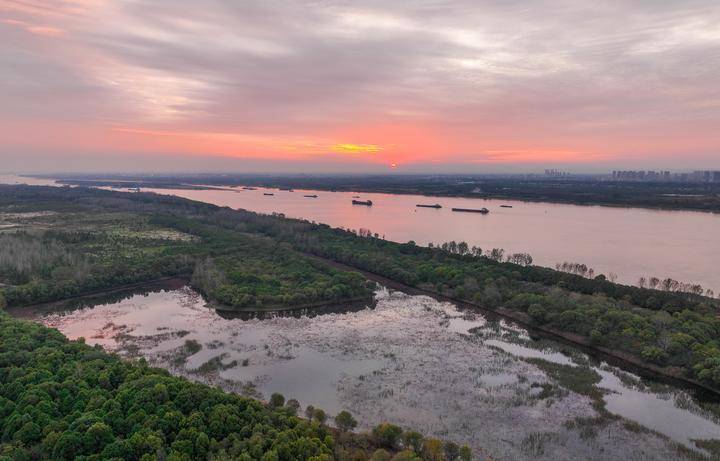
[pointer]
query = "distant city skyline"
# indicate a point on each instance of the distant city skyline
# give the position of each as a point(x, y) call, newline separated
point(439, 86)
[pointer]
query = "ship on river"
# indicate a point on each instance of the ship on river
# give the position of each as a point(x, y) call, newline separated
point(362, 202)
point(472, 210)
point(420, 205)
point(311, 196)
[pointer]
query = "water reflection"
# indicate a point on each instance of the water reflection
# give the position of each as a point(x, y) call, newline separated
point(656, 409)
point(410, 360)
point(297, 313)
point(624, 241)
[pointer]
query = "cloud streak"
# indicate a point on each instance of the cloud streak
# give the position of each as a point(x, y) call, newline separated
point(424, 82)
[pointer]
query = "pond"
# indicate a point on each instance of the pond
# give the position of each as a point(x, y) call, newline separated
point(410, 360)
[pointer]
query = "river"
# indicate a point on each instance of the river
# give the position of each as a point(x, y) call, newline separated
point(629, 242)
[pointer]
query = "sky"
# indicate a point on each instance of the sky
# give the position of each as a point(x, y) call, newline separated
point(349, 86)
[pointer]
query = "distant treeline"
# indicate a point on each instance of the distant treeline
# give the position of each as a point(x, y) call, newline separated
point(588, 191)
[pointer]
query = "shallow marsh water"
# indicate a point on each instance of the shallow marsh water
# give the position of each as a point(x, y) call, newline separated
point(410, 360)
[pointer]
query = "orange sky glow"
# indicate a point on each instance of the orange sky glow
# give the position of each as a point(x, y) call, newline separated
point(470, 86)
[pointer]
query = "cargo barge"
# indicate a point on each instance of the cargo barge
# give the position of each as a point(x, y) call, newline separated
point(472, 210)
point(420, 205)
point(362, 202)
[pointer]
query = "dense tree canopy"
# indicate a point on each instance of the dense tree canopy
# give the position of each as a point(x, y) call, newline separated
point(84, 249)
point(65, 400)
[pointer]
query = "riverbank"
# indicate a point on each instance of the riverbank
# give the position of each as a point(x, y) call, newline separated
point(704, 197)
point(618, 358)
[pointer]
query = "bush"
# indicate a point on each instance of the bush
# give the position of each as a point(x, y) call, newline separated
point(387, 435)
point(406, 455)
point(433, 450)
point(465, 453)
point(452, 451)
point(380, 455)
point(413, 440)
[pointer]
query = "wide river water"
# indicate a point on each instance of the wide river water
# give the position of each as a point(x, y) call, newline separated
point(630, 242)
point(410, 360)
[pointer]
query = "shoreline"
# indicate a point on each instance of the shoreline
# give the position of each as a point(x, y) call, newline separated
point(569, 201)
point(619, 358)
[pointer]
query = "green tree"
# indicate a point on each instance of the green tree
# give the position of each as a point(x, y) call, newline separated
point(387, 435)
point(277, 400)
point(293, 405)
point(309, 411)
point(345, 421)
point(413, 440)
point(97, 437)
point(319, 416)
point(29, 433)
